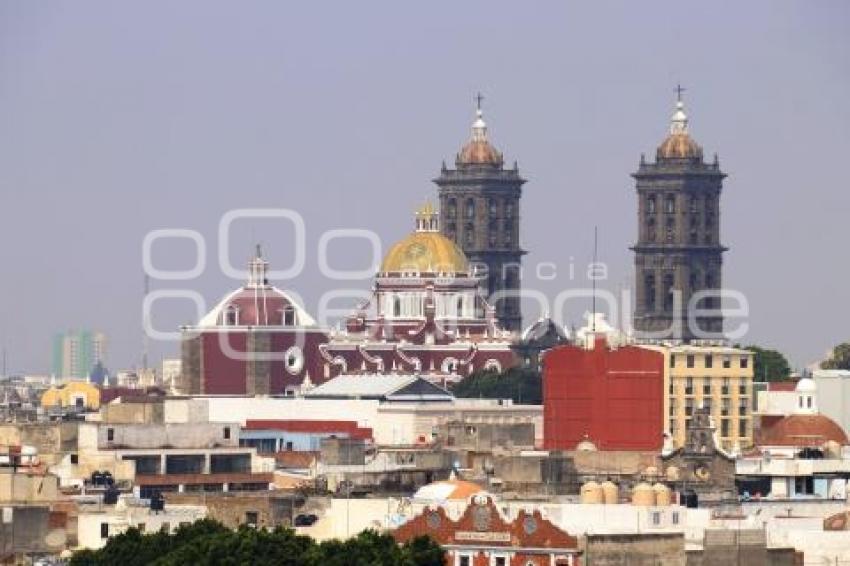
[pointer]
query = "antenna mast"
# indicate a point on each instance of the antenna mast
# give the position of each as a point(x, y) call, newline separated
point(145, 327)
point(593, 279)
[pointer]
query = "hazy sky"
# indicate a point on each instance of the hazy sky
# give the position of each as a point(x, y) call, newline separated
point(118, 118)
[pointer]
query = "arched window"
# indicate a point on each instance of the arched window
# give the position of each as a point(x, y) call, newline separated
point(492, 207)
point(231, 316)
point(470, 208)
point(650, 204)
point(452, 207)
point(670, 204)
point(668, 291)
point(289, 316)
point(649, 291)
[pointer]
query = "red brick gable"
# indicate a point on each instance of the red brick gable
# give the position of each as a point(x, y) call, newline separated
point(482, 525)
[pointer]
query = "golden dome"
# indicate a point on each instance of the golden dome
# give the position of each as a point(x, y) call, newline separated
point(679, 146)
point(425, 252)
point(479, 152)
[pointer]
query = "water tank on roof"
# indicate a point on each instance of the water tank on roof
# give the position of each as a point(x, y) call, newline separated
point(157, 502)
point(663, 495)
point(690, 499)
point(610, 492)
point(110, 496)
point(642, 494)
point(591, 492)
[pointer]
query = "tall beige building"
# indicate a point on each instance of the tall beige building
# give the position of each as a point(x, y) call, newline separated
point(719, 377)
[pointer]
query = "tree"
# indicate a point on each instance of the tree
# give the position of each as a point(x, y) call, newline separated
point(769, 365)
point(840, 358)
point(523, 385)
point(207, 543)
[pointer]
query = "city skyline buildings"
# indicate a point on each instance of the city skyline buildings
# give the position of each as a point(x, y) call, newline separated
point(576, 118)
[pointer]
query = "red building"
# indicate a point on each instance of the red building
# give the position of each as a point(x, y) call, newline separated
point(483, 537)
point(612, 397)
point(256, 341)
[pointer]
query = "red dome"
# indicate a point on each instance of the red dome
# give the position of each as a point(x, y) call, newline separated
point(802, 430)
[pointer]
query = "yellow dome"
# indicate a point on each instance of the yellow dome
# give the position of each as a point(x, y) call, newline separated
point(679, 146)
point(425, 252)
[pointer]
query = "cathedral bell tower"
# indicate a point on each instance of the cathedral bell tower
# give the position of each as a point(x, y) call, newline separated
point(678, 251)
point(479, 210)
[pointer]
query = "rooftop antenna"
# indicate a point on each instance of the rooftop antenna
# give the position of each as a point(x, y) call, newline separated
point(145, 328)
point(4, 362)
point(593, 280)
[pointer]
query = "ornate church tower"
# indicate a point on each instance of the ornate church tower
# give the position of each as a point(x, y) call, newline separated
point(678, 250)
point(479, 209)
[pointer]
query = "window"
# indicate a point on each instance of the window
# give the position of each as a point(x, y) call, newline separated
point(724, 409)
point(693, 206)
point(289, 446)
point(500, 561)
point(672, 408)
point(165, 527)
point(742, 387)
point(470, 208)
point(725, 389)
point(452, 208)
point(672, 360)
point(706, 402)
point(727, 362)
point(656, 518)
point(650, 204)
point(709, 361)
point(226, 433)
point(674, 517)
point(75, 459)
point(231, 316)
point(289, 316)
point(469, 236)
point(492, 207)
point(668, 293)
point(252, 518)
point(396, 307)
point(706, 386)
point(110, 434)
point(464, 560)
point(689, 386)
point(670, 205)
point(689, 407)
point(649, 291)
point(104, 530)
point(724, 427)
point(509, 209)
point(742, 428)
point(744, 362)
point(690, 360)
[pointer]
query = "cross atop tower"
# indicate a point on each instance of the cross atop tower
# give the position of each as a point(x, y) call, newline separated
point(478, 98)
point(679, 90)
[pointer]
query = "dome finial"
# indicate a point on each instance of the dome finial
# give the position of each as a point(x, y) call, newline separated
point(427, 218)
point(479, 127)
point(679, 121)
point(258, 270)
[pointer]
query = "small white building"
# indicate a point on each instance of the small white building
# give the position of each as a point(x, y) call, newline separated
point(97, 522)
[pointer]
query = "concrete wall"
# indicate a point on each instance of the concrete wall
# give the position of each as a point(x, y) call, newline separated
point(120, 517)
point(834, 395)
point(27, 488)
point(27, 530)
point(634, 549)
point(232, 509)
point(182, 435)
point(50, 439)
point(138, 413)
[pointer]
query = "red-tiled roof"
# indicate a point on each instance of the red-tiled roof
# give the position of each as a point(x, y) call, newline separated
point(781, 385)
point(350, 428)
point(194, 479)
point(802, 430)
